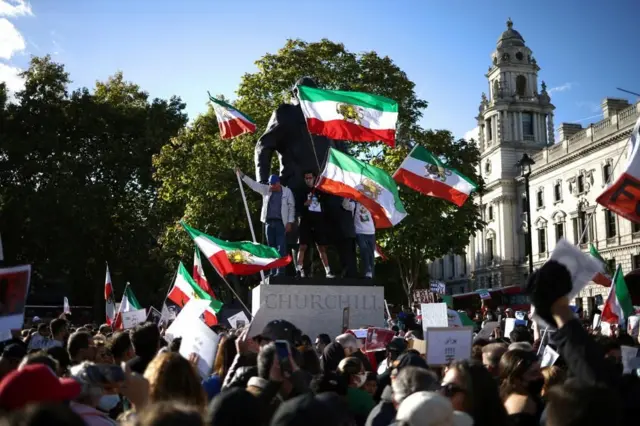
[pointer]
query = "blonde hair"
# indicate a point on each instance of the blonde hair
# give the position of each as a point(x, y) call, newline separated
point(173, 378)
point(552, 376)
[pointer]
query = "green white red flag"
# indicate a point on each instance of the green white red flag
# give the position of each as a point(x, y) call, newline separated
point(185, 288)
point(599, 277)
point(109, 302)
point(424, 172)
point(370, 186)
point(623, 197)
point(239, 258)
point(352, 116)
point(231, 122)
point(129, 303)
point(618, 307)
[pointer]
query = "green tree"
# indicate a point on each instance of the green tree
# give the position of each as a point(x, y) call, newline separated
point(433, 227)
point(77, 184)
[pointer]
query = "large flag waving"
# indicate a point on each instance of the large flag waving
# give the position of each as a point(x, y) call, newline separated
point(109, 303)
point(198, 274)
point(618, 306)
point(353, 116)
point(599, 277)
point(368, 185)
point(623, 197)
point(240, 258)
point(185, 288)
point(129, 303)
point(424, 172)
point(231, 122)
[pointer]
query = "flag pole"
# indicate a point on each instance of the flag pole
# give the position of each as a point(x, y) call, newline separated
point(234, 292)
point(173, 280)
point(246, 208)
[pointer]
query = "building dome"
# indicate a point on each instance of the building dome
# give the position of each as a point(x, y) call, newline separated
point(510, 37)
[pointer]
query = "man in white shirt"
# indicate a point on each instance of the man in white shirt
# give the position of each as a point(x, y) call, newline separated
point(365, 235)
point(278, 211)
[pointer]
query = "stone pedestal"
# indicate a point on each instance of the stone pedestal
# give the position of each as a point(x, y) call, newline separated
point(316, 309)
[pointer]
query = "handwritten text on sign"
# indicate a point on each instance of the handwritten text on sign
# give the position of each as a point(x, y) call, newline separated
point(448, 344)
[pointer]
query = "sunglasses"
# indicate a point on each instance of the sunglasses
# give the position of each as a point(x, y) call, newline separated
point(451, 389)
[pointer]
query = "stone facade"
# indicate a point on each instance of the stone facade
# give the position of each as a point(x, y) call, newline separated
point(515, 118)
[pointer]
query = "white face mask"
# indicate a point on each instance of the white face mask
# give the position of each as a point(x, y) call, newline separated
point(108, 402)
point(362, 378)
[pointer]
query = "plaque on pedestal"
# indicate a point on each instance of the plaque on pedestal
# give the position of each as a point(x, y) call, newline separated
point(316, 309)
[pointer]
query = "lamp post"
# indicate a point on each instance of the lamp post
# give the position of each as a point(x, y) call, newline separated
point(525, 164)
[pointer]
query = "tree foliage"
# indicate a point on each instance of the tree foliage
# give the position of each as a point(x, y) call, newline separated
point(76, 182)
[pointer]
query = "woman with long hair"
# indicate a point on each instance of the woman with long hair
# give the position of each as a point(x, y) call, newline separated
point(473, 390)
point(173, 379)
point(521, 383)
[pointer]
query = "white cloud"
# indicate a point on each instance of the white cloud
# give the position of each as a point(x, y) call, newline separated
point(13, 8)
point(11, 41)
point(562, 88)
point(10, 75)
point(472, 134)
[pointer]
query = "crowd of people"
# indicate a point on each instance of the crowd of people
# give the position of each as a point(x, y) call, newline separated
point(54, 374)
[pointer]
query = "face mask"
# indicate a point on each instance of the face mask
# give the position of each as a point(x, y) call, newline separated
point(535, 386)
point(362, 378)
point(108, 402)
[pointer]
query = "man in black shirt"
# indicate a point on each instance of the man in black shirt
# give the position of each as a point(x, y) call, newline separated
point(313, 225)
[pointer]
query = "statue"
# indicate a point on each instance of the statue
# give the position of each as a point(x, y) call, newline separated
point(287, 134)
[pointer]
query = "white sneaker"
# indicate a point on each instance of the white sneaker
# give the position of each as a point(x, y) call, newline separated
point(329, 275)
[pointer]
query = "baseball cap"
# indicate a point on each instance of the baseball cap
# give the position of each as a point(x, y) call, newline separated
point(35, 384)
point(273, 179)
point(281, 330)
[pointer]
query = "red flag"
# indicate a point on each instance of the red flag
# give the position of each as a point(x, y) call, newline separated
point(110, 306)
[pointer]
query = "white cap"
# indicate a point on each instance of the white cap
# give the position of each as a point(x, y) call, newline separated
point(430, 409)
point(36, 318)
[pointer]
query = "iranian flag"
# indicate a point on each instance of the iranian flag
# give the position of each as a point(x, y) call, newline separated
point(231, 122)
point(129, 303)
point(424, 172)
point(109, 302)
point(198, 274)
point(240, 258)
point(618, 306)
point(368, 185)
point(378, 253)
point(352, 116)
point(599, 277)
point(185, 288)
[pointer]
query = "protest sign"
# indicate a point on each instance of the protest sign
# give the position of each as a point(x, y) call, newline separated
point(132, 318)
point(193, 309)
point(238, 320)
point(628, 354)
point(434, 315)
point(509, 325)
point(360, 333)
point(14, 287)
point(377, 339)
point(488, 330)
point(200, 340)
point(484, 294)
point(418, 345)
point(549, 357)
point(155, 316)
point(446, 344)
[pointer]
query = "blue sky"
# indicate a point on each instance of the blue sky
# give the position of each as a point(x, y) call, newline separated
point(585, 48)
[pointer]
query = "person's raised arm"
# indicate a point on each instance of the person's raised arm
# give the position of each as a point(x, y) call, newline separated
point(257, 187)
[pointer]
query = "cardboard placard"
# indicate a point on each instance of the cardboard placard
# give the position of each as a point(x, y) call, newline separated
point(238, 320)
point(377, 339)
point(446, 344)
point(360, 333)
point(155, 316)
point(132, 318)
point(549, 357)
point(488, 330)
point(200, 340)
point(14, 288)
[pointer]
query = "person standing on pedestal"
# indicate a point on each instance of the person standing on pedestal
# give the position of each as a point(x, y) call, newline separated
point(365, 235)
point(313, 226)
point(278, 211)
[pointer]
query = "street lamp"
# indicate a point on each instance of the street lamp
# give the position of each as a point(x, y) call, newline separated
point(525, 164)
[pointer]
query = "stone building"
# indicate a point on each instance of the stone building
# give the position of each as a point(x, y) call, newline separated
point(516, 117)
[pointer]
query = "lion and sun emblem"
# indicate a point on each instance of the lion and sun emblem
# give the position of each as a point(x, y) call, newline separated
point(350, 113)
point(238, 256)
point(437, 172)
point(369, 188)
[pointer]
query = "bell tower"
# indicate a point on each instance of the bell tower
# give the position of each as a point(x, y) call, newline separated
point(514, 113)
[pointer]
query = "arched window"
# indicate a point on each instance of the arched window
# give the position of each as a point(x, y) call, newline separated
point(521, 85)
point(496, 89)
